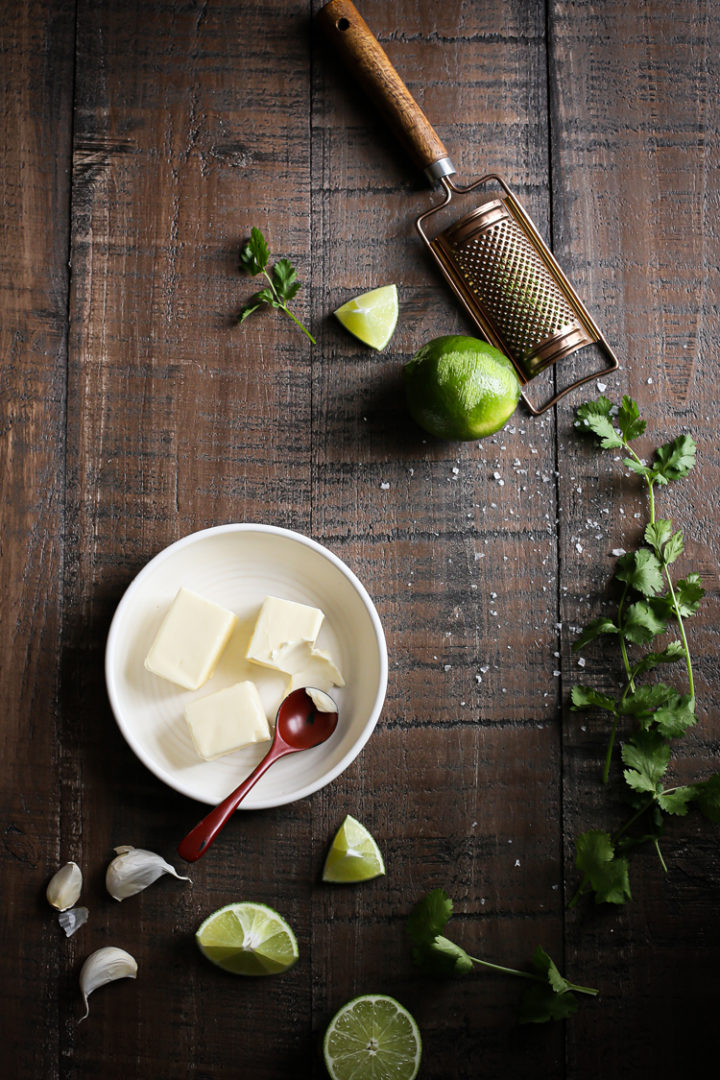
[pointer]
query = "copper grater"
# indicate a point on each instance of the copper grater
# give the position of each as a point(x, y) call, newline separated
point(493, 258)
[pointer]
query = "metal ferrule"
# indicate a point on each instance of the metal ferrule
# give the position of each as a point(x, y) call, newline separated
point(440, 168)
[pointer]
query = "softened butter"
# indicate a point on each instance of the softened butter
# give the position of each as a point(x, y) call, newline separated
point(190, 640)
point(227, 720)
point(315, 667)
point(281, 627)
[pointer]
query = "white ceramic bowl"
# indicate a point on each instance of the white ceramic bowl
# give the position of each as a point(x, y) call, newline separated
point(237, 566)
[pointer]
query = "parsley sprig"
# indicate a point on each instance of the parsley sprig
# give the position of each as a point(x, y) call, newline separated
point(549, 997)
point(282, 281)
point(651, 602)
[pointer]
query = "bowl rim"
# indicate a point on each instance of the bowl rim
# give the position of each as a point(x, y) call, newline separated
point(111, 649)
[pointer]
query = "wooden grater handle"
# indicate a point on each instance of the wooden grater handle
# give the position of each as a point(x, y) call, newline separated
point(358, 48)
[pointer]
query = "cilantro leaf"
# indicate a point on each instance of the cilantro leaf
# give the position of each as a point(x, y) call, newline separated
point(676, 801)
point(657, 533)
point(546, 967)
point(651, 660)
point(282, 281)
point(285, 279)
point(255, 254)
point(585, 697)
point(641, 623)
point(641, 570)
point(539, 1003)
point(597, 861)
point(594, 417)
point(647, 698)
point(629, 420)
point(429, 916)
point(647, 756)
point(707, 798)
point(675, 459)
point(688, 594)
point(606, 872)
point(593, 630)
point(673, 720)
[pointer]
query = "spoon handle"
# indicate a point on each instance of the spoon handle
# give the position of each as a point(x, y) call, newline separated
point(199, 839)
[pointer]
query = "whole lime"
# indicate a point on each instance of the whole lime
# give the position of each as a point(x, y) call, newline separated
point(459, 387)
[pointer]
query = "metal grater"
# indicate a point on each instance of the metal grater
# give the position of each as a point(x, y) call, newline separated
point(493, 258)
point(511, 286)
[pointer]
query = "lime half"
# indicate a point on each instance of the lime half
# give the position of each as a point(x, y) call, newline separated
point(248, 939)
point(353, 855)
point(373, 1037)
point(371, 317)
point(459, 387)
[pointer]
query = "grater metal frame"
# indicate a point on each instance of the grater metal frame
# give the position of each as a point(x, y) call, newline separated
point(579, 332)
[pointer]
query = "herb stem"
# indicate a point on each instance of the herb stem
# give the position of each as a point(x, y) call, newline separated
point(529, 975)
point(303, 328)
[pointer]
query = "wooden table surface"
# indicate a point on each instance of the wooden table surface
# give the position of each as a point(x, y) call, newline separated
point(140, 144)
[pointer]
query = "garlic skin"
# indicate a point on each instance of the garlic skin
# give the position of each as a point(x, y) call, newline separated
point(133, 869)
point(65, 886)
point(103, 966)
point(72, 919)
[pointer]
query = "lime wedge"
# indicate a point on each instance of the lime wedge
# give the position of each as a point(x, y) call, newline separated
point(373, 1037)
point(371, 317)
point(353, 855)
point(248, 939)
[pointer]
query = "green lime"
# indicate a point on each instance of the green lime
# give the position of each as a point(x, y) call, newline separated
point(461, 388)
point(248, 939)
point(372, 1037)
point(353, 855)
point(371, 317)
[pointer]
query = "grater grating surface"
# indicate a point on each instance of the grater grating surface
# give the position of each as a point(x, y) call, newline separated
point(512, 284)
point(508, 280)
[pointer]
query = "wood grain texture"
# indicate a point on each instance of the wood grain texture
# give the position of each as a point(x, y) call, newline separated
point(36, 42)
point(140, 143)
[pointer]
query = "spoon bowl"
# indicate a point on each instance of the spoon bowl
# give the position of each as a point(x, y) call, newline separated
point(306, 718)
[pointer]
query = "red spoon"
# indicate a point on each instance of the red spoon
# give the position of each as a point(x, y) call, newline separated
point(306, 718)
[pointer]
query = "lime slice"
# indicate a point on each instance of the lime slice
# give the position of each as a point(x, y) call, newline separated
point(248, 939)
point(372, 317)
point(373, 1037)
point(353, 855)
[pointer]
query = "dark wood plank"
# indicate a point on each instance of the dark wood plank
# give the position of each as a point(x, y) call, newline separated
point(635, 154)
point(36, 44)
point(191, 127)
point(456, 542)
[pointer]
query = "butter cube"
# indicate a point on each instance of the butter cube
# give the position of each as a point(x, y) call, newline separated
point(314, 667)
point(282, 626)
point(227, 720)
point(190, 640)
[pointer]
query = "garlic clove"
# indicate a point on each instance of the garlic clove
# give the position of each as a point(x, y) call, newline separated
point(103, 966)
point(133, 869)
point(72, 919)
point(65, 886)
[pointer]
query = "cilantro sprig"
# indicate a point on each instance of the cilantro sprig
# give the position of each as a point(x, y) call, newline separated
point(651, 603)
point(282, 281)
point(550, 996)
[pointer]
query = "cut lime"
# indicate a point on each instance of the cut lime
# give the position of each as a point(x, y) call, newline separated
point(459, 387)
point(353, 855)
point(248, 939)
point(373, 1037)
point(371, 317)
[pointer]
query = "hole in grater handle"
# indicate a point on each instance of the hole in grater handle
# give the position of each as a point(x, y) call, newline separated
point(513, 289)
